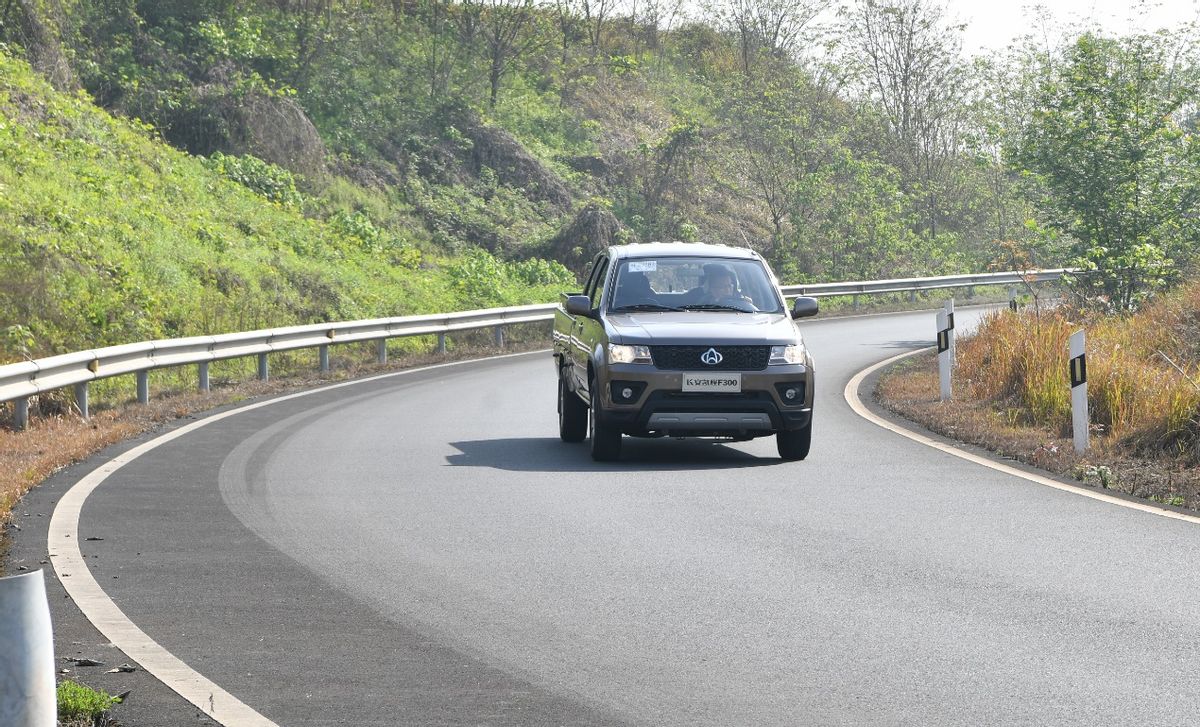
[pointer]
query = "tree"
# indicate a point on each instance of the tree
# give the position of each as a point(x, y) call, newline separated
point(507, 29)
point(1117, 170)
point(766, 28)
point(912, 69)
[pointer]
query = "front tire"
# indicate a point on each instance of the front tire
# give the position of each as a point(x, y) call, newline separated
point(572, 414)
point(606, 440)
point(793, 445)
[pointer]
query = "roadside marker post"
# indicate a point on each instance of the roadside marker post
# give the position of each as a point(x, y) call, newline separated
point(945, 339)
point(1079, 401)
point(949, 306)
point(28, 697)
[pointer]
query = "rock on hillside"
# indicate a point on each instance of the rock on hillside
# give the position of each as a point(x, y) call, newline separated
point(592, 229)
point(514, 166)
point(232, 121)
point(37, 27)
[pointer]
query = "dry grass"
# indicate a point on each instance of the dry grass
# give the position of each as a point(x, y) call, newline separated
point(1012, 395)
point(54, 442)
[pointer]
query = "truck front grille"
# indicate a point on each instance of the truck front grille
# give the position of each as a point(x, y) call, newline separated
point(689, 358)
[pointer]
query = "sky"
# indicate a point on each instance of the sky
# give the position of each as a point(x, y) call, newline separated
point(993, 24)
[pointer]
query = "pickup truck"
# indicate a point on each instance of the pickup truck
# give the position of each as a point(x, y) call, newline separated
point(682, 340)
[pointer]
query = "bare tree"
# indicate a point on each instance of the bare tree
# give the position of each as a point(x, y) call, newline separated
point(507, 29)
point(912, 69)
point(595, 14)
point(766, 28)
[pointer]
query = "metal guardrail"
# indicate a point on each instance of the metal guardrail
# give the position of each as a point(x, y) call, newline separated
point(22, 380)
point(913, 285)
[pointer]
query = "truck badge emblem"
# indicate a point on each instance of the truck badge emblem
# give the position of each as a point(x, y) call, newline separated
point(711, 357)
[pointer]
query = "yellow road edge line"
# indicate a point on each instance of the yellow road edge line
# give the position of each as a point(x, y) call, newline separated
point(851, 394)
point(62, 541)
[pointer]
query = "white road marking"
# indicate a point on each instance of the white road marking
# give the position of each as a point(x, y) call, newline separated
point(851, 393)
point(62, 542)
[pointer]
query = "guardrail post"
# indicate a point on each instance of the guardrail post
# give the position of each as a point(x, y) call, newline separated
point(323, 355)
point(1012, 298)
point(21, 413)
point(381, 351)
point(81, 399)
point(970, 292)
point(441, 347)
point(28, 698)
point(912, 296)
point(499, 336)
point(1079, 401)
point(203, 376)
point(143, 387)
point(264, 371)
point(944, 337)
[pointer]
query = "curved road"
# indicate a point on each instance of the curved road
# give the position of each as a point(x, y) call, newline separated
point(421, 549)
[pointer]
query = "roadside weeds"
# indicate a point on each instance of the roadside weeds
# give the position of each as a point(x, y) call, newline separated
point(910, 389)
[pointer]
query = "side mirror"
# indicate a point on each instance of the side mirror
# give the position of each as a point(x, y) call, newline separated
point(803, 307)
point(579, 305)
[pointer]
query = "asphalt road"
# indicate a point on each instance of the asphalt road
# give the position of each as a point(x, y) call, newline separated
point(422, 550)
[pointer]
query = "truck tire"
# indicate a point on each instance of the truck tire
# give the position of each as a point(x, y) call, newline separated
point(606, 440)
point(572, 414)
point(793, 445)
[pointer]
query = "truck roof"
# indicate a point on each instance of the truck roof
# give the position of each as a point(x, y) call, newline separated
point(661, 249)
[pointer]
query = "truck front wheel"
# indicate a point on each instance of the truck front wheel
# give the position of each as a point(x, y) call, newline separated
point(794, 444)
point(606, 440)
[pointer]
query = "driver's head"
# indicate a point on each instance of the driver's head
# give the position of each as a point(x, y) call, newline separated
point(718, 281)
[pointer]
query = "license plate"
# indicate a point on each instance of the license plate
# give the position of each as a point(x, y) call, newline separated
point(724, 383)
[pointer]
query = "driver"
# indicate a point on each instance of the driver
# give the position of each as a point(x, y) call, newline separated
point(720, 287)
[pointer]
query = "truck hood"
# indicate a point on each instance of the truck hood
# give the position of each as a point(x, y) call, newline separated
point(692, 328)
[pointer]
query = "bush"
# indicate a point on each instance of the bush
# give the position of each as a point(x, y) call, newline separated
point(76, 701)
point(265, 179)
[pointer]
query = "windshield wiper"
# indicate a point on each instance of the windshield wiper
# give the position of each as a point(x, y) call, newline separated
point(644, 307)
point(715, 306)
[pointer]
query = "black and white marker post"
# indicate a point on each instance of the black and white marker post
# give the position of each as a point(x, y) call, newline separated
point(949, 306)
point(1079, 402)
point(945, 343)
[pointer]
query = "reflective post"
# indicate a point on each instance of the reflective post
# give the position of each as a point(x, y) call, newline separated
point(27, 692)
point(1079, 401)
point(944, 337)
point(949, 307)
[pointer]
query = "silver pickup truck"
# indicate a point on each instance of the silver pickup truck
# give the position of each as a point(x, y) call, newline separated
point(682, 340)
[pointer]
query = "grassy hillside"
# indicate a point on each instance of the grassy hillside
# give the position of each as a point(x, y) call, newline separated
point(108, 236)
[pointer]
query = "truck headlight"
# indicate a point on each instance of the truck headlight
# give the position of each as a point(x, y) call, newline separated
point(628, 354)
point(781, 355)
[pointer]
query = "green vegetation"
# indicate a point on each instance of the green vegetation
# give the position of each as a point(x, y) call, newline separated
point(77, 702)
point(336, 159)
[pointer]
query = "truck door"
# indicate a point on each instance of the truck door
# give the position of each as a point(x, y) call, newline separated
point(589, 331)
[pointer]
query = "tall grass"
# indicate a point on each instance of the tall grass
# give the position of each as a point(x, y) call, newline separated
point(1143, 371)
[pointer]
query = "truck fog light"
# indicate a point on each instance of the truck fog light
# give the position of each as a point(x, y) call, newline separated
point(627, 393)
point(789, 394)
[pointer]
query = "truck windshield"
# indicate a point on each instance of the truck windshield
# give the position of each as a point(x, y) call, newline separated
point(695, 284)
